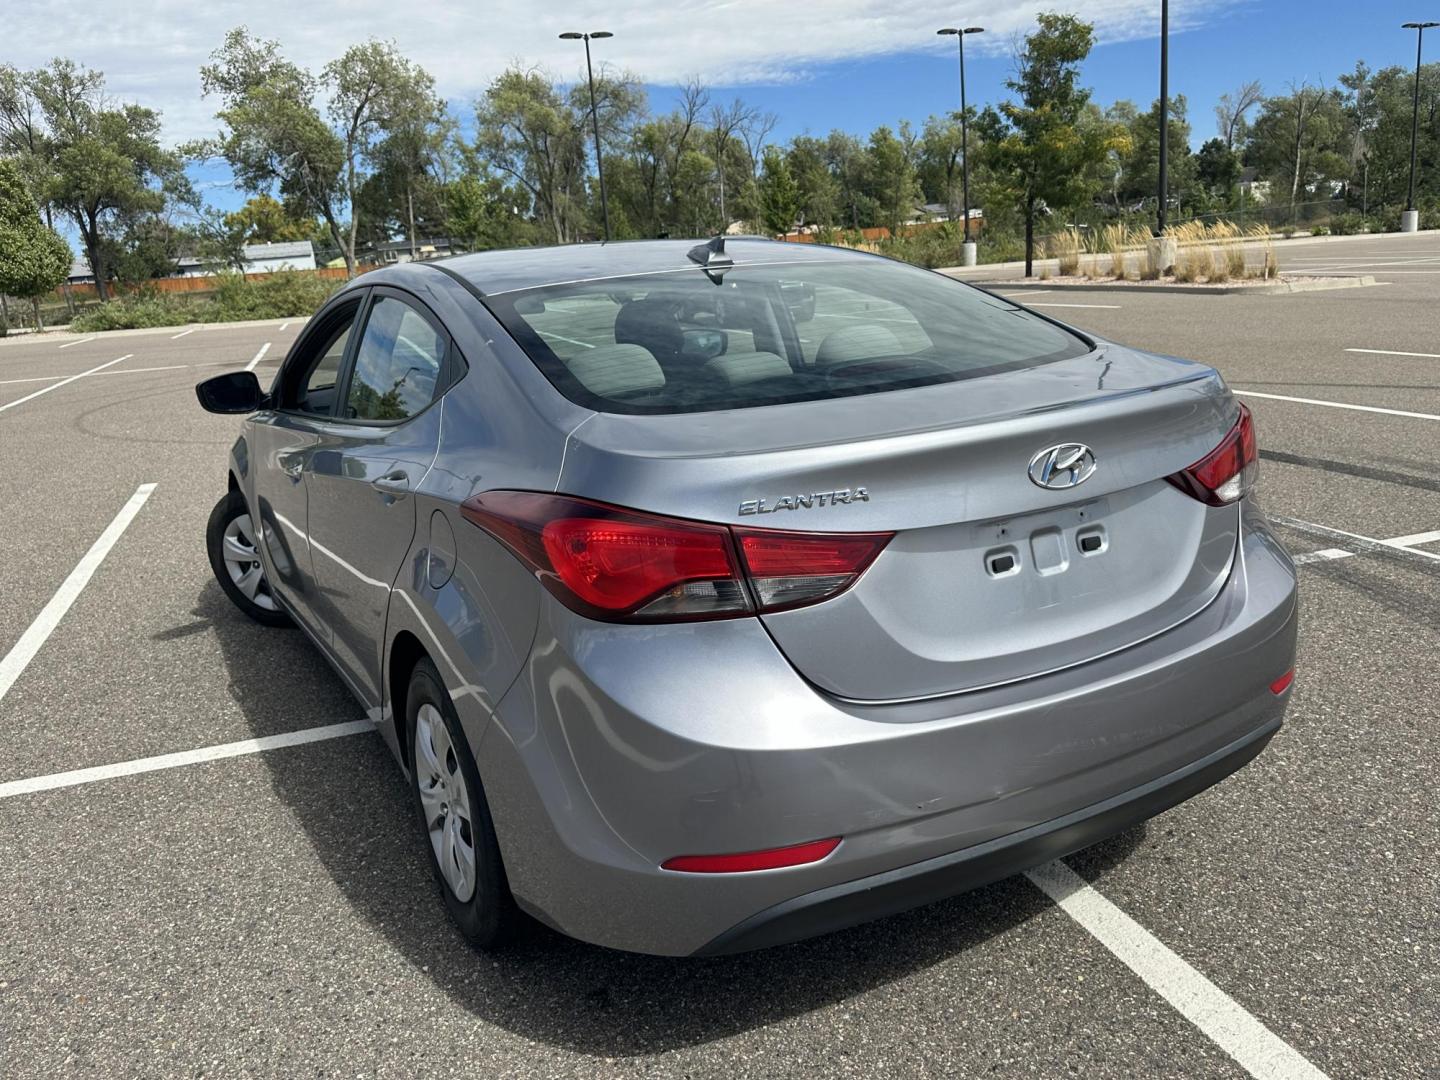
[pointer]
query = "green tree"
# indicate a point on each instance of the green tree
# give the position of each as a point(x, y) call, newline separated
point(891, 174)
point(272, 134)
point(1298, 141)
point(265, 220)
point(483, 212)
point(532, 131)
point(1217, 167)
point(33, 259)
point(1046, 153)
point(104, 166)
point(779, 194)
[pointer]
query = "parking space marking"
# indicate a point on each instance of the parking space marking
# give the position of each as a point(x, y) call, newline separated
point(1339, 405)
point(76, 777)
point(101, 375)
point(258, 357)
point(1364, 543)
point(1108, 307)
point(36, 634)
point(1324, 555)
point(80, 341)
point(1395, 352)
point(1259, 1050)
point(62, 382)
point(182, 333)
point(1027, 292)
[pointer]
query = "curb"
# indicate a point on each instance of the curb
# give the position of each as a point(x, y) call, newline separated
point(1280, 288)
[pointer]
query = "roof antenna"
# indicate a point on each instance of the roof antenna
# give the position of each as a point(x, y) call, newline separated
point(712, 258)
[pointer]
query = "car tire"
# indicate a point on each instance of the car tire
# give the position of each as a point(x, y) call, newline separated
point(235, 561)
point(453, 815)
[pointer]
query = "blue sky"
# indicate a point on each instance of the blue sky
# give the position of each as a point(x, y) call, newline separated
point(817, 64)
point(1275, 42)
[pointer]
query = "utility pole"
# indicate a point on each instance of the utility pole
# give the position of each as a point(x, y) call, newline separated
point(594, 117)
point(967, 247)
point(1164, 115)
point(1410, 219)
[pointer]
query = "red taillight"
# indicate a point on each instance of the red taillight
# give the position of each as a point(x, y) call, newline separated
point(610, 563)
point(789, 569)
point(770, 859)
point(1228, 472)
point(1280, 685)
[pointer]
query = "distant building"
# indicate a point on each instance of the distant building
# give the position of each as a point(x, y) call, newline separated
point(398, 251)
point(1252, 187)
point(290, 255)
point(258, 258)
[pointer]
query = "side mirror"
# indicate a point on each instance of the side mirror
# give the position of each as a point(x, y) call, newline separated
point(233, 392)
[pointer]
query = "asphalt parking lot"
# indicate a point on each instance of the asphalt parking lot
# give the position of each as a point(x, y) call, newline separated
point(265, 908)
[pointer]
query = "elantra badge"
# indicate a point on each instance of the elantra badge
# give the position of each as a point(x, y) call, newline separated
point(1062, 466)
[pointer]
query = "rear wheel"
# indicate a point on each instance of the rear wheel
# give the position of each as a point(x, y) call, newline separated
point(235, 560)
point(454, 817)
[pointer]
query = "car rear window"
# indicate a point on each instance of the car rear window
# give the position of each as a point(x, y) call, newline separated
point(763, 334)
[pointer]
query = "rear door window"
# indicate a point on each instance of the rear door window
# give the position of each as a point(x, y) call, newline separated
point(397, 364)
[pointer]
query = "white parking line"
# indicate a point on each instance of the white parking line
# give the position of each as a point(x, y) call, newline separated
point(184, 757)
point(1393, 352)
point(1032, 292)
point(192, 329)
point(81, 341)
point(62, 382)
point(1259, 1050)
point(1324, 555)
point(286, 326)
point(1364, 543)
point(258, 357)
point(1339, 405)
point(585, 344)
point(24, 650)
point(1110, 307)
point(102, 374)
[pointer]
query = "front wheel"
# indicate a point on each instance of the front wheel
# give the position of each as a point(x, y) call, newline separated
point(454, 817)
point(235, 560)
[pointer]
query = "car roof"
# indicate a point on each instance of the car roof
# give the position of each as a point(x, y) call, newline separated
point(494, 272)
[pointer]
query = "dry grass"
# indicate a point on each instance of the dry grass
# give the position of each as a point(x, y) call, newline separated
point(1064, 247)
point(1119, 241)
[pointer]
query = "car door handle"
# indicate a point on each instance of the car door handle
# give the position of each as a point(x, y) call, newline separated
point(395, 484)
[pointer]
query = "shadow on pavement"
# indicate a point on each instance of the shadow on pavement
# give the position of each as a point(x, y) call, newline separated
point(547, 987)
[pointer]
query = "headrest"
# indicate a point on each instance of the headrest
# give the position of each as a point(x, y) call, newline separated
point(613, 370)
point(857, 343)
point(738, 368)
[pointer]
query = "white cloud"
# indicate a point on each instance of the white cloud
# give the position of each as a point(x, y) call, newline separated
point(151, 51)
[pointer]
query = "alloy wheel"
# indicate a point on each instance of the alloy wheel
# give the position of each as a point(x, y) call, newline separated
point(242, 562)
point(445, 800)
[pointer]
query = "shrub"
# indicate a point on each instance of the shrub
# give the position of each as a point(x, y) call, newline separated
point(282, 295)
point(135, 312)
point(1349, 223)
point(1319, 230)
point(1288, 231)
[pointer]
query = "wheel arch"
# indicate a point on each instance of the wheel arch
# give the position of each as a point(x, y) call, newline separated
point(405, 652)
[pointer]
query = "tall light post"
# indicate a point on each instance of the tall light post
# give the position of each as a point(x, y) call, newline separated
point(594, 116)
point(1410, 219)
point(967, 248)
point(1164, 116)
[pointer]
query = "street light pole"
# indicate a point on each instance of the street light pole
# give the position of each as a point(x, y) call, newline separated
point(1410, 220)
point(967, 249)
point(595, 117)
point(1164, 115)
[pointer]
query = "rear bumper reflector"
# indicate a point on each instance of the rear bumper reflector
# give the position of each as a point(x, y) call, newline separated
point(744, 861)
point(1280, 685)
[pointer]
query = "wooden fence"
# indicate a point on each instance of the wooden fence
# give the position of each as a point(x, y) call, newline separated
point(198, 284)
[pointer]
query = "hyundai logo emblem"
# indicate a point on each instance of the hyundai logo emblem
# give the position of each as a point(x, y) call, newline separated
point(1062, 466)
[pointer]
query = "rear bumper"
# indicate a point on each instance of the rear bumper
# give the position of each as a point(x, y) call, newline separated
point(874, 897)
point(619, 747)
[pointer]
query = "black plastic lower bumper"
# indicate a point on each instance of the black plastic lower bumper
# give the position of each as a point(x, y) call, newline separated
point(855, 902)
